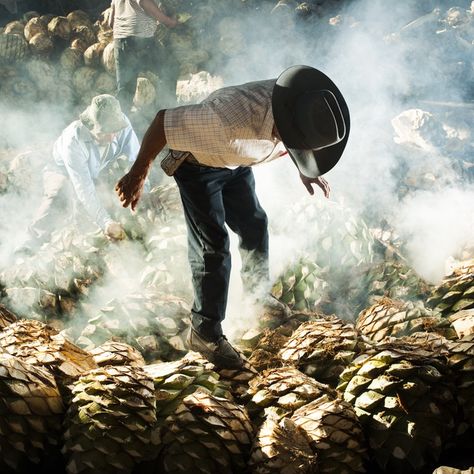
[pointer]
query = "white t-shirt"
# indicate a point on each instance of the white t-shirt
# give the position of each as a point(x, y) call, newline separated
point(131, 20)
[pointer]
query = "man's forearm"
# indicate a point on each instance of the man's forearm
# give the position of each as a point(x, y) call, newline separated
point(151, 9)
point(153, 142)
point(86, 194)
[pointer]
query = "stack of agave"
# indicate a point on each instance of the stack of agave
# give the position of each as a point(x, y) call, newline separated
point(342, 265)
point(66, 47)
point(456, 293)
point(154, 323)
point(62, 283)
point(49, 284)
point(355, 373)
point(31, 411)
point(66, 60)
point(404, 399)
point(389, 393)
point(36, 50)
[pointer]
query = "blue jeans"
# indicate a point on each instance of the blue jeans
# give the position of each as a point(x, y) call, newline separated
point(213, 197)
point(132, 55)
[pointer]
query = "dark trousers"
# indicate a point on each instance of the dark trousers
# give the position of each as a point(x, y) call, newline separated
point(132, 55)
point(213, 197)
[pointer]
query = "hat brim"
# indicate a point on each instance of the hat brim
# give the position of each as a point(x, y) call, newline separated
point(116, 127)
point(112, 126)
point(290, 84)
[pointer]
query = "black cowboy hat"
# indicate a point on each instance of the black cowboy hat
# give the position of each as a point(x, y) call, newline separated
point(312, 119)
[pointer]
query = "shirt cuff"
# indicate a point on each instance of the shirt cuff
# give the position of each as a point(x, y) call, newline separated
point(104, 222)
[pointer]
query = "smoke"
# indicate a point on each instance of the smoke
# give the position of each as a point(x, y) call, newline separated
point(382, 67)
point(27, 131)
point(12, 223)
point(23, 172)
point(35, 125)
point(380, 77)
point(385, 59)
point(436, 226)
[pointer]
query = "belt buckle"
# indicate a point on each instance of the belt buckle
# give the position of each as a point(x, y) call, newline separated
point(172, 161)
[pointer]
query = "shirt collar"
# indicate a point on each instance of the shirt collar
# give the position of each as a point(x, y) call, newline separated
point(84, 133)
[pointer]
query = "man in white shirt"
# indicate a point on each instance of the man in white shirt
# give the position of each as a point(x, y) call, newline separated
point(85, 148)
point(301, 114)
point(134, 23)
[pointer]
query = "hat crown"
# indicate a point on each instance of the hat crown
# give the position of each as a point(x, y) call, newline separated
point(319, 119)
point(312, 119)
point(104, 115)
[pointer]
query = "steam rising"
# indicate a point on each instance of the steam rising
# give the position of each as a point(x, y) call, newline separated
point(437, 226)
point(381, 74)
point(380, 78)
point(382, 69)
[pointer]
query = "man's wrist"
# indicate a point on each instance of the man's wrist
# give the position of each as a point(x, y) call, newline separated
point(139, 172)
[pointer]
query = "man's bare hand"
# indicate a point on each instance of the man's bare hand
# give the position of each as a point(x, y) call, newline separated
point(114, 231)
point(129, 190)
point(320, 181)
point(173, 22)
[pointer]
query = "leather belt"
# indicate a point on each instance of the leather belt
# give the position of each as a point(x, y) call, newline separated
point(191, 160)
point(173, 160)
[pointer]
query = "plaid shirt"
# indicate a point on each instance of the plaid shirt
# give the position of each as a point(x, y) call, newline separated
point(232, 127)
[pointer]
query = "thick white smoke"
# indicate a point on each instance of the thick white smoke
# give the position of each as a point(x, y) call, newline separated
point(382, 69)
point(381, 75)
point(437, 225)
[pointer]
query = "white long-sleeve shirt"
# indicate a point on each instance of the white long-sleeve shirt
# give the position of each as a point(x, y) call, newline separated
point(77, 154)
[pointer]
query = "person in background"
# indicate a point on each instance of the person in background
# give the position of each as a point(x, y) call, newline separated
point(214, 145)
point(84, 150)
point(134, 23)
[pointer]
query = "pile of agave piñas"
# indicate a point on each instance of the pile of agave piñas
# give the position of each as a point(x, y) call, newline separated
point(117, 391)
point(366, 368)
point(67, 60)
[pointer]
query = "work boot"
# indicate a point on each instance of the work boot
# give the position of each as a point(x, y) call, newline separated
point(220, 353)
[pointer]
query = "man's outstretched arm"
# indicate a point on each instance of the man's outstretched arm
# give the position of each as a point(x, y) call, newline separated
point(130, 187)
point(152, 9)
